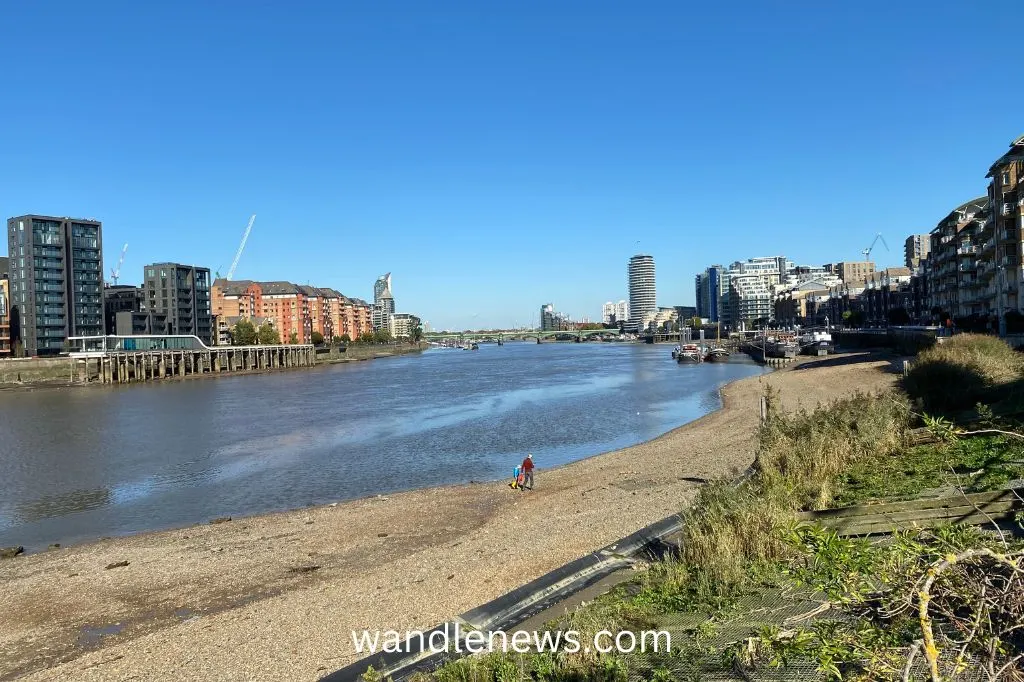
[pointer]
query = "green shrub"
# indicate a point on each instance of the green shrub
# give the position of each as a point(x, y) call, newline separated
point(962, 371)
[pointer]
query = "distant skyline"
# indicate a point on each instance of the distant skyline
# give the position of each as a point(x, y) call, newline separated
point(494, 158)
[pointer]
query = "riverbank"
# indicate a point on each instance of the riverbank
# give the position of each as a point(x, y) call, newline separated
point(275, 597)
point(61, 372)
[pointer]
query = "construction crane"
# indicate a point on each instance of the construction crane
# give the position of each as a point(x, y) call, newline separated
point(238, 254)
point(867, 251)
point(116, 272)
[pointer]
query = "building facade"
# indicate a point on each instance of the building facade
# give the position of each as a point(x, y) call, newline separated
point(1002, 250)
point(383, 302)
point(854, 271)
point(56, 281)
point(120, 298)
point(642, 290)
point(5, 321)
point(404, 325)
point(712, 289)
point(915, 250)
point(182, 293)
point(291, 309)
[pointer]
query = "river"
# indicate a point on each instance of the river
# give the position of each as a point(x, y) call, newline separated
point(80, 464)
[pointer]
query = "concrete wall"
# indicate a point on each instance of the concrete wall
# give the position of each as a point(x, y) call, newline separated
point(37, 370)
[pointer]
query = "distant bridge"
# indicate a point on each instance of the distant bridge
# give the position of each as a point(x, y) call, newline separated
point(523, 334)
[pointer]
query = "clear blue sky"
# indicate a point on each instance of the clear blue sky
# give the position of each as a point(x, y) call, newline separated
point(497, 156)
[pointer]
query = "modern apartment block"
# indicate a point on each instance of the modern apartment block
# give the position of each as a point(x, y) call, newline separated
point(915, 250)
point(854, 271)
point(958, 284)
point(5, 322)
point(182, 293)
point(56, 281)
point(403, 325)
point(120, 298)
point(615, 313)
point(1003, 250)
point(642, 290)
point(712, 289)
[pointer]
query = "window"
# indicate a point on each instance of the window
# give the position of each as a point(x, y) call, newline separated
point(1006, 178)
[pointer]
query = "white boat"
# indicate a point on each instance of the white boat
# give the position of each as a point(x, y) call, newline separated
point(816, 343)
point(689, 352)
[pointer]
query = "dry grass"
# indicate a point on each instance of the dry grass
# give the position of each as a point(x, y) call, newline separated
point(730, 527)
point(962, 371)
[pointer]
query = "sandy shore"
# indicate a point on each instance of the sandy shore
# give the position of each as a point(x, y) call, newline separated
point(242, 601)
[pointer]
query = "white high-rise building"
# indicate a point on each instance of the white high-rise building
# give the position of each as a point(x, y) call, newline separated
point(642, 291)
point(621, 311)
point(608, 313)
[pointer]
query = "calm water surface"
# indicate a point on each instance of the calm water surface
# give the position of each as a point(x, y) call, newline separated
point(76, 465)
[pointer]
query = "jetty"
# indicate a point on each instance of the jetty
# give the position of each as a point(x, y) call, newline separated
point(137, 359)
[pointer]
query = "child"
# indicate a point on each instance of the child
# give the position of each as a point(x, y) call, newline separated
point(515, 478)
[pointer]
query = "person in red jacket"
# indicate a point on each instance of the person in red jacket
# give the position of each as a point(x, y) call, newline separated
point(528, 472)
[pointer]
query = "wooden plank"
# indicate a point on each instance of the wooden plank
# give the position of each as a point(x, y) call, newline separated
point(971, 520)
point(912, 505)
point(951, 514)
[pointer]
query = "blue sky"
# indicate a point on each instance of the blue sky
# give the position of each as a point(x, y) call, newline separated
point(497, 156)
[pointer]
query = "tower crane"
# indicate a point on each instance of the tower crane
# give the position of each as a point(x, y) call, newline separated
point(867, 251)
point(238, 254)
point(116, 272)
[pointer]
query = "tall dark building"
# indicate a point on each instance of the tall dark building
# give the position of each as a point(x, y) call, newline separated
point(120, 298)
point(182, 293)
point(56, 281)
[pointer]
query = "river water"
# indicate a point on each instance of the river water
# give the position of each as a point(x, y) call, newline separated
point(80, 464)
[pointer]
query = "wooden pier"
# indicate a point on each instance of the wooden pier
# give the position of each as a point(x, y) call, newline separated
point(142, 366)
point(117, 362)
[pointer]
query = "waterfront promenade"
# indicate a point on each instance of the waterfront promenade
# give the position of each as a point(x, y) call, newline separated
point(242, 599)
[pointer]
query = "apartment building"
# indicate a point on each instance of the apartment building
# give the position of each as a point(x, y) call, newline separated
point(640, 276)
point(797, 305)
point(403, 325)
point(915, 250)
point(887, 297)
point(1001, 252)
point(853, 271)
point(182, 293)
point(712, 290)
point(751, 301)
point(959, 283)
point(120, 298)
point(56, 281)
point(293, 309)
point(5, 320)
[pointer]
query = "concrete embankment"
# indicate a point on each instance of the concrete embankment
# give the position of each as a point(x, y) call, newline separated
point(278, 596)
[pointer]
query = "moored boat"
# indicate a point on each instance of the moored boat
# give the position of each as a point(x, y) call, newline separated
point(717, 354)
point(689, 352)
point(816, 343)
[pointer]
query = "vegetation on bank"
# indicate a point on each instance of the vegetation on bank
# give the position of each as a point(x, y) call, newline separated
point(939, 604)
point(964, 370)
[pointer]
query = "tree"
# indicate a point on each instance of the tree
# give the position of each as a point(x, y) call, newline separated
point(294, 338)
point(367, 337)
point(243, 333)
point(268, 335)
point(317, 338)
point(382, 336)
point(346, 339)
point(417, 334)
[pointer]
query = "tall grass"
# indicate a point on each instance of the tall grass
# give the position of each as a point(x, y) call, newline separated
point(962, 371)
point(730, 527)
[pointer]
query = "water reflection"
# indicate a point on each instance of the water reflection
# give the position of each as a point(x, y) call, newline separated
point(76, 465)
